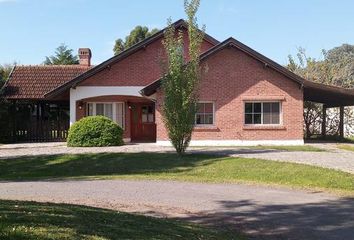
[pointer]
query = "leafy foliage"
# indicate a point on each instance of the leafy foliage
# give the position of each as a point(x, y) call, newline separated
point(336, 68)
point(5, 121)
point(181, 79)
point(63, 56)
point(95, 131)
point(341, 61)
point(5, 70)
point(138, 34)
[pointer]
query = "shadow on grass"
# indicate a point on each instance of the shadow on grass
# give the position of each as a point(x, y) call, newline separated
point(326, 220)
point(81, 165)
point(44, 221)
point(329, 139)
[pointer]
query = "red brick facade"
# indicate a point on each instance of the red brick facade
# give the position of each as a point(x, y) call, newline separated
point(139, 69)
point(230, 77)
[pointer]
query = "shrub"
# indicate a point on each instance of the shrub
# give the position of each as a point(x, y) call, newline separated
point(95, 131)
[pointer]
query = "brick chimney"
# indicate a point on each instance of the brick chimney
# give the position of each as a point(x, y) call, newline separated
point(85, 56)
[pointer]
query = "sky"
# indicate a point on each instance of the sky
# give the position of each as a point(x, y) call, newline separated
point(32, 29)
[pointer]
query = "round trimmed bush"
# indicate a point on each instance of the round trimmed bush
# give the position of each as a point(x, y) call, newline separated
point(95, 131)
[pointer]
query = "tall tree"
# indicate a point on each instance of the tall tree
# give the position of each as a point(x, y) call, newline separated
point(5, 70)
point(63, 56)
point(181, 79)
point(341, 62)
point(138, 34)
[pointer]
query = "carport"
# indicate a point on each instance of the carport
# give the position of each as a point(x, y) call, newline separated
point(330, 97)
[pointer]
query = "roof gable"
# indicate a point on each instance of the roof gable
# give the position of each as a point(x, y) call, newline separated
point(317, 92)
point(106, 64)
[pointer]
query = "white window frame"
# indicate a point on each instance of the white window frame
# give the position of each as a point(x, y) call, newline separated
point(205, 125)
point(262, 115)
point(114, 110)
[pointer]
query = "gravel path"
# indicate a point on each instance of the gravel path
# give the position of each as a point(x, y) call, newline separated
point(262, 212)
point(334, 158)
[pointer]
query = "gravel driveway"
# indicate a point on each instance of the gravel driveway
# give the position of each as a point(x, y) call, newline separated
point(261, 212)
point(334, 158)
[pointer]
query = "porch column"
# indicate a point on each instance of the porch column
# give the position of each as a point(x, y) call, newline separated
point(72, 106)
point(324, 116)
point(341, 121)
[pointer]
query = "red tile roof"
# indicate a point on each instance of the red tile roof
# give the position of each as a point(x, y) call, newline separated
point(32, 82)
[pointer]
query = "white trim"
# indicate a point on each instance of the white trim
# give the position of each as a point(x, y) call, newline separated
point(82, 92)
point(238, 142)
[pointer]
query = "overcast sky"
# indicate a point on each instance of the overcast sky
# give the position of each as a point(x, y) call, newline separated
point(32, 29)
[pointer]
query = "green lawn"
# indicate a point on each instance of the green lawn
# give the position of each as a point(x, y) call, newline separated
point(296, 148)
point(46, 221)
point(346, 147)
point(192, 167)
point(333, 138)
point(299, 148)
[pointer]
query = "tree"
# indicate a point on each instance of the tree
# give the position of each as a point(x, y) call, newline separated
point(341, 61)
point(138, 34)
point(5, 70)
point(63, 56)
point(5, 122)
point(181, 78)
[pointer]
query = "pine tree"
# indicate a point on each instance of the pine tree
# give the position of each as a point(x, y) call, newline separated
point(63, 56)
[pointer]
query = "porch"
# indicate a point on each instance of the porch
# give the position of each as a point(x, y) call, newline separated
point(136, 115)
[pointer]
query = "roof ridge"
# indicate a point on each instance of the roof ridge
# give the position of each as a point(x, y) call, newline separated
point(122, 55)
point(54, 66)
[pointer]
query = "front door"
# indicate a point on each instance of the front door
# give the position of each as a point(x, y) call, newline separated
point(143, 127)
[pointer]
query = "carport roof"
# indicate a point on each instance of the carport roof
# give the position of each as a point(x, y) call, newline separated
point(331, 96)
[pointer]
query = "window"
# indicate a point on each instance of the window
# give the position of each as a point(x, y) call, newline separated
point(262, 113)
point(147, 114)
point(114, 111)
point(205, 113)
point(100, 109)
point(90, 109)
point(120, 114)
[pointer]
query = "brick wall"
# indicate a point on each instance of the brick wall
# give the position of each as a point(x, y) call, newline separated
point(139, 69)
point(230, 77)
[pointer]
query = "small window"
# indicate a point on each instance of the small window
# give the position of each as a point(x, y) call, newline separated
point(147, 114)
point(108, 110)
point(90, 109)
point(114, 111)
point(120, 114)
point(100, 109)
point(262, 113)
point(205, 114)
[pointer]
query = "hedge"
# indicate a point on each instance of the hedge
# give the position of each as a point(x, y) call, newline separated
point(95, 131)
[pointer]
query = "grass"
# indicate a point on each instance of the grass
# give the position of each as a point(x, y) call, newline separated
point(296, 148)
point(47, 221)
point(346, 147)
point(299, 148)
point(163, 166)
point(333, 138)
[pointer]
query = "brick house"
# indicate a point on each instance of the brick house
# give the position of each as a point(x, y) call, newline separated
point(245, 98)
